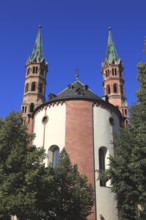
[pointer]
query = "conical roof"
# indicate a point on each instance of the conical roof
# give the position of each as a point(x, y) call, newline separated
point(37, 53)
point(111, 53)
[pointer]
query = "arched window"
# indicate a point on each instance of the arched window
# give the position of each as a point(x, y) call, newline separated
point(26, 87)
point(115, 88)
point(102, 165)
point(114, 71)
point(108, 90)
point(23, 109)
point(40, 87)
point(35, 69)
point(107, 72)
point(31, 107)
point(33, 86)
point(53, 155)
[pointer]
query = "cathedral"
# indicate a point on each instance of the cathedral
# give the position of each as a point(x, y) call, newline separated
point(78, 120)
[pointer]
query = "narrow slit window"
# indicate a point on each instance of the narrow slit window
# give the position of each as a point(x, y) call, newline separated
point(102, 165)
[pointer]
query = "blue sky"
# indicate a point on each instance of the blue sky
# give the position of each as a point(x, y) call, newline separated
point(74, 35)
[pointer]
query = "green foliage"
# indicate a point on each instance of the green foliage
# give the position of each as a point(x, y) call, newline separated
point(72, 195)
point(30, 190)
point(20, 169)
point(127, 170)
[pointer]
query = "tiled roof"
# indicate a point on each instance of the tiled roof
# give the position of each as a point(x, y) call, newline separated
point(75, 90)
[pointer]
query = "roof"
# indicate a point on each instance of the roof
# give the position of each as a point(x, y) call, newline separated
point(111, 53)
point(37, 53)
point(75, 90)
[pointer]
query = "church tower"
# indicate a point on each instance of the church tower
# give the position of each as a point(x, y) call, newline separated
point(113, 80)
point(35, 79)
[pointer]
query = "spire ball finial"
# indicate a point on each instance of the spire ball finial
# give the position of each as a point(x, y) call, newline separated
point(77, 73)
point(40, 26)
point(77, 76)
point(109, 28)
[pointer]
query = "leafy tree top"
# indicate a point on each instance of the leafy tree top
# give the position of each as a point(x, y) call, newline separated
point(127, 170)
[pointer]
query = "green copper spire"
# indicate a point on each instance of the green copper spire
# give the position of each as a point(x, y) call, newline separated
point(37, 53)
point(111, 53)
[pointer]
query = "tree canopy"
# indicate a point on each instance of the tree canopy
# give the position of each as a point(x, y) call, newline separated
point(20, 169)
point(32, 191)
point(72, 196)
point(127, 170)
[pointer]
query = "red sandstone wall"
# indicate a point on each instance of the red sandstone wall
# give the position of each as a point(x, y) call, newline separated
point(79, 138)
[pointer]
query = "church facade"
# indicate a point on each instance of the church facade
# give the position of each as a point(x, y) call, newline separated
point(78, 120)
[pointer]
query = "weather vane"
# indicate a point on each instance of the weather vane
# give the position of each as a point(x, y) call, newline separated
point(77, 73)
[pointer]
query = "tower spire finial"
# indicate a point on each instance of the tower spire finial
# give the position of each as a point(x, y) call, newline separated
point(77, 73)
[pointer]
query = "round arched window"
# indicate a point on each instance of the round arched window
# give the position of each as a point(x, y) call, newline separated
point(45, 119)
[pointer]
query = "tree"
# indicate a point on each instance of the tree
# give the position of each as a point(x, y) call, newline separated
point(32, 191)
point(127, 171)
point(21, 172)
point(72, 196)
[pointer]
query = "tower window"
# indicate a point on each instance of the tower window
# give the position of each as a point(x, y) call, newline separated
point(23, 109)
point(35, 69)
point(114, 71)
point(28, 71)
point(33, 86)
point(31, 107)
point(107, 73)
point(108, 90)
point(115, 88)
point(40, 88)
point(102, 165)
point(26, 87)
